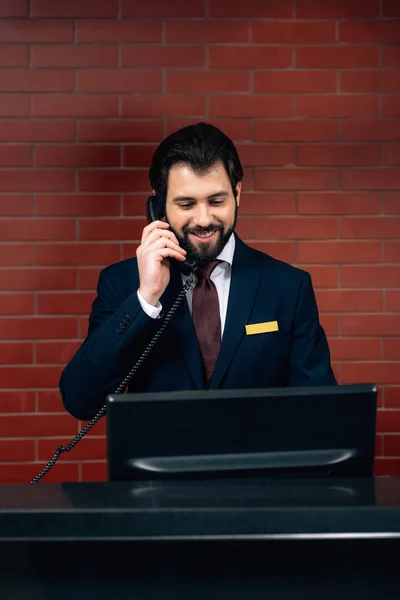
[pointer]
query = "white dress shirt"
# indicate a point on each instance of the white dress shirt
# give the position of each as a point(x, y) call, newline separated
point(221, 277)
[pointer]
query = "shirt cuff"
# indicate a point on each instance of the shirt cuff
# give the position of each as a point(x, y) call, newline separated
point(151, 311)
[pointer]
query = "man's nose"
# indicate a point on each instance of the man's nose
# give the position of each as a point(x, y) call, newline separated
point(203, 217)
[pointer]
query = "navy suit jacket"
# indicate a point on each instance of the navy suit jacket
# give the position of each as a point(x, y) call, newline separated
point(262, 290)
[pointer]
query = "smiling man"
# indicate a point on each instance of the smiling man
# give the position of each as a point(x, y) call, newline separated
point(250, 321)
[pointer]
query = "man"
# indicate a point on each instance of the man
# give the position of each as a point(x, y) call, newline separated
point(249, 320)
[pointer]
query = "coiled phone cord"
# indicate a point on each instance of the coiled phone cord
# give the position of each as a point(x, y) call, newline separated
point(122, 386)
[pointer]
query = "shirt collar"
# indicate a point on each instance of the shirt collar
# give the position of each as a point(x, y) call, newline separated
point(229, 249)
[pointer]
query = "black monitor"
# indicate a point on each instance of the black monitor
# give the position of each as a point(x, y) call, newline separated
point(308, 431)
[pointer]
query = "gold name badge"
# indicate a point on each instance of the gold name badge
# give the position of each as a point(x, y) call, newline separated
point(262, 327)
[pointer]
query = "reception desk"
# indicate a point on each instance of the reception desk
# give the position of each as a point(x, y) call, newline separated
point(232, 538)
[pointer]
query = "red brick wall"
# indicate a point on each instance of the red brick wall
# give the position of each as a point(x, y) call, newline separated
point(309, 92)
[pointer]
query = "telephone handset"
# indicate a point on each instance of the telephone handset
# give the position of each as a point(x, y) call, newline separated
point(155, 211)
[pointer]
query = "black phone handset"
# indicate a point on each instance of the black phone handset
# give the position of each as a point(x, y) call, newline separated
point(155, 210)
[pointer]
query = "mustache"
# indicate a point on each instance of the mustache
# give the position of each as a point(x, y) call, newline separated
point(198, 229)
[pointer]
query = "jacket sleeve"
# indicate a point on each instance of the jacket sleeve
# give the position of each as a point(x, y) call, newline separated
point(309, 362)
point(119, 331)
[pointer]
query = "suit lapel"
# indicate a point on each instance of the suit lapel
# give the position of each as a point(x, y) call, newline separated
point(245, 280)
point(182, 330)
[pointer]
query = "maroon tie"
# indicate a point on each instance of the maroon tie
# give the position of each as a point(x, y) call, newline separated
point(206, 317)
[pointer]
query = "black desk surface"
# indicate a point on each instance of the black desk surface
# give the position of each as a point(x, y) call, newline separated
point(209, 510)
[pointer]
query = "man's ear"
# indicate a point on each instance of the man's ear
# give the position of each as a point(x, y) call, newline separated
point(238, 190)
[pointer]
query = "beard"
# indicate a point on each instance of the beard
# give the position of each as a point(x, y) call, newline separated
point(205, 252)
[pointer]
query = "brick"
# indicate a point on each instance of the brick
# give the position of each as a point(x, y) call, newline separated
point(129, 250)
point(114, 180)
point(385, 467)
point(296, 130)
point(251, 106)
point(16, 352)
point(252, 9)
point(36, 425)
point(162, 56)
point(330, 323)
point(111, 229)
point(76, 254)
point(134, 205)
point(339, 252)
point(15, 255)
point(25, 180)
point(15, 402)
point(370, 130)
point(369, 32)
point(390, 57)
point(393, 300)
point(56, 352)
point(87, 280)
point(32, 30)
point(91, 448)
point(14, 8)
point(15, 156)
point(371, 179)
point(27, 328)
point(16, 304)
point(354, 348)
point(14, 105)
point(14, 56)
point(370, 81)
point(74, 56)
point(94, 471)
point(117, 80)
point(340, 300)
point(285, 251)
point(44, 80)
point(206, 32)
point(324, 277)
point(254, 155)
point(15, 205)
point(35, 230)
point(339, 203)
point(337, 57)
point(295, 179)
point(119, 32)
point(337, 9)
point(295, 228)
point(138, 155)
point(37, 279)
point(390, 106)
point(391, 204)
point(22, 473)
point(77, 156)
point(294, 81)
point(77, 205)
point(256, 203)
point(390, 8)
point(50, 400)
point(373, 372)
point(141, 105)
point(339, 105)
point(373, 228)
point(239, 130)
point(293, 32)
point(22, 130)
point(391, 445)
point(391, 252)
point(156, 9)
point(120, 130)
point(370, 325)
point(371, 276)
point(339, 154)
point(17, 450)
point(388, 420)
point(74, 8)
point(64, 303)
point(74, 105)
point(393, 156)
point(392, 348)
point(250, 57)
point(201, 81)
point(392, 397)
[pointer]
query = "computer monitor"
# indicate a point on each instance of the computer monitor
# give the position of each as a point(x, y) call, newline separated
point(308, 431)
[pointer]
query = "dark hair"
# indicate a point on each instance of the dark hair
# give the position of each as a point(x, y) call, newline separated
point(199, 146)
